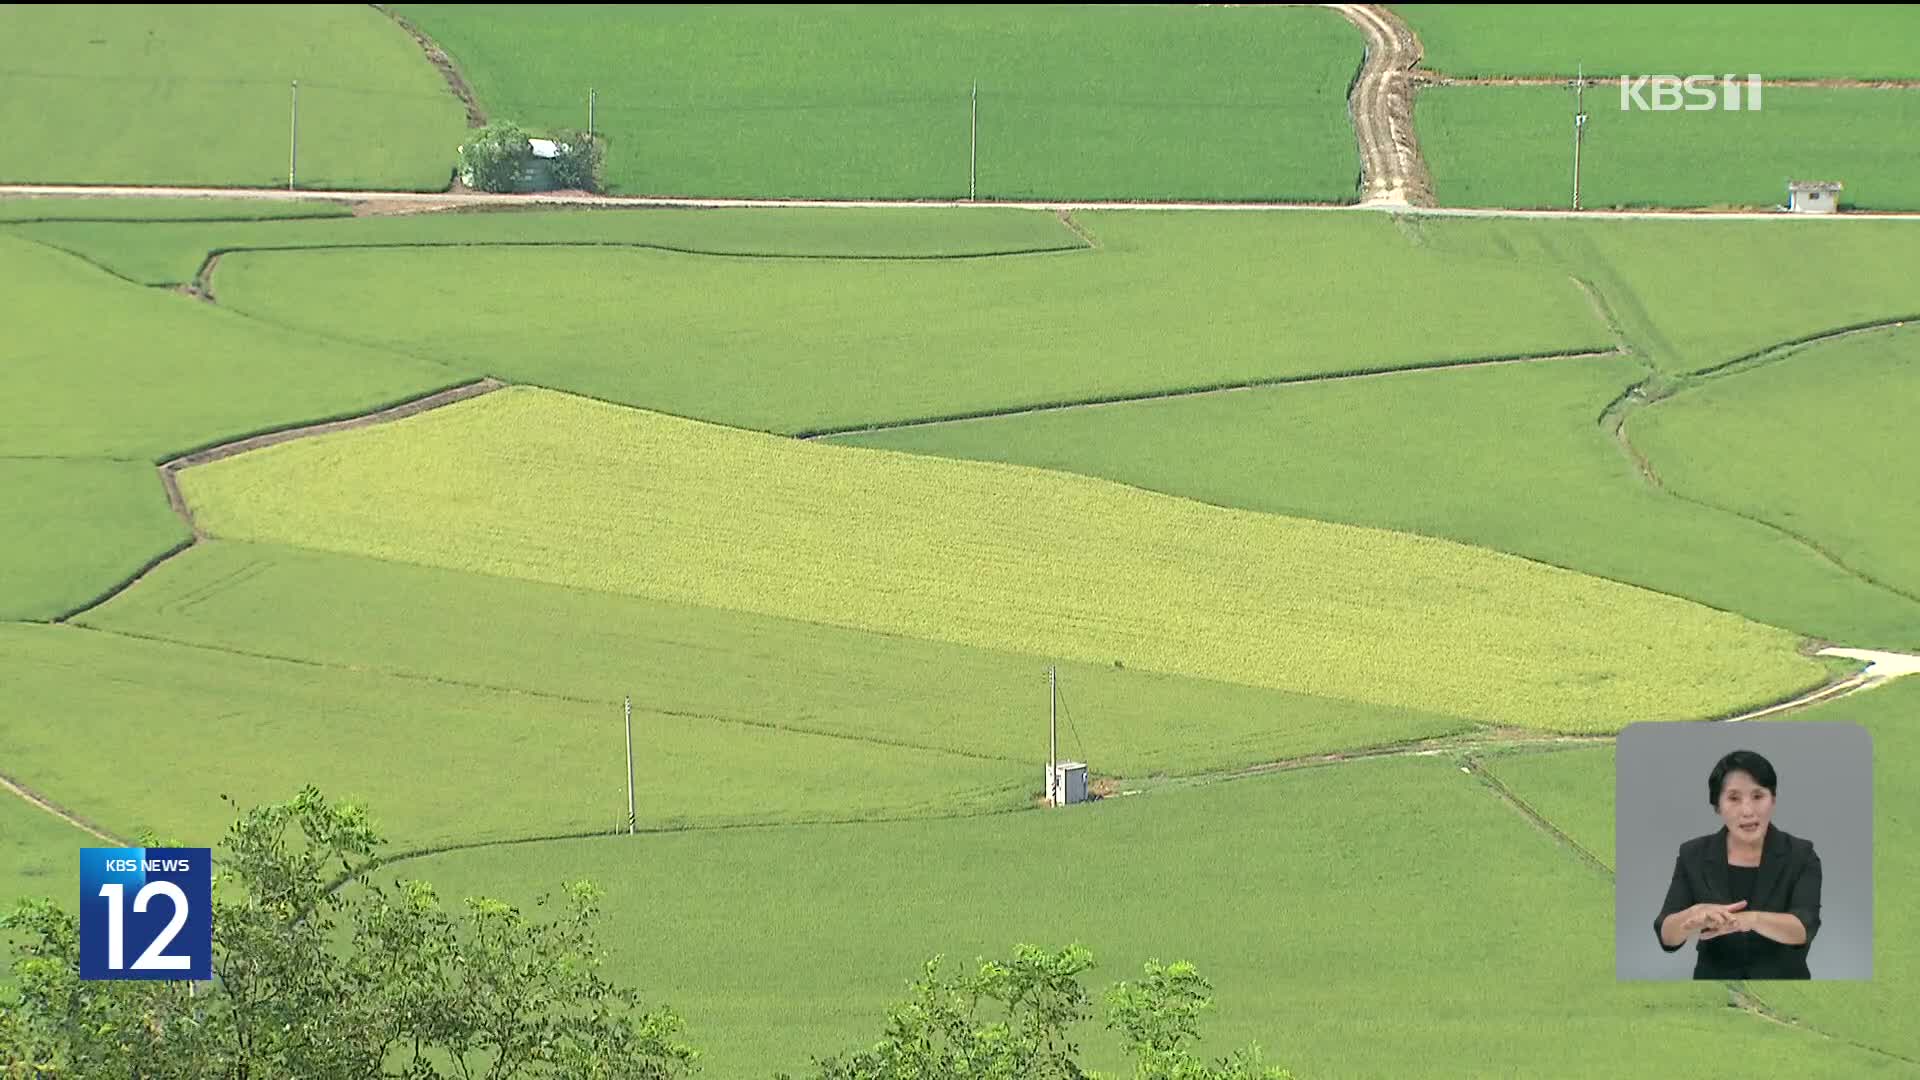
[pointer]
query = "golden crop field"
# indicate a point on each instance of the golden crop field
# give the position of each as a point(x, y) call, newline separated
point(547, 487)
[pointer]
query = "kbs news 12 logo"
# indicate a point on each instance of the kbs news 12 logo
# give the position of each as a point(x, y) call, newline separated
point(1665, 93)
point(146, 913)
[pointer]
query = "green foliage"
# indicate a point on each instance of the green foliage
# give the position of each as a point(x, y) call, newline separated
point(493, 157)
point(1015, 1020)
point(1138, 103)
point(581, 161)
point(1160, 1019)
point(940, 1031)
point(416, 988)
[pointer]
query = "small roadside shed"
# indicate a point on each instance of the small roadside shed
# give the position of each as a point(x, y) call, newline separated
point(536, 170)
point(1813, 196)
point(538, 174)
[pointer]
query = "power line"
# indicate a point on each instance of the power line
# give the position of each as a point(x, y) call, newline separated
point(1064, 711)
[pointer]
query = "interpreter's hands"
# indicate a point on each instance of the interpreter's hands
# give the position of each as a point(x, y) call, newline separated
point(1736, 922)
point(1713, 920)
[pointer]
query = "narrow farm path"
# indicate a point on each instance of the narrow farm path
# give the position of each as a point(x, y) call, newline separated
point(36, 799)
point(395, 201)
point(1381, 106)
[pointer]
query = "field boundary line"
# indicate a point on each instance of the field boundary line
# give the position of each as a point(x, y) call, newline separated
point(1474, 766)
point(1476, 738)
point(449, 200)
point(616, 831)
point(110, 458)
point(442, 62)
point(200, 286)
point(36, 799)
point(169, 470)
point(1859, 680)
point(1744, 999)
point(1739, 996)
point(202, 282)
point(1066, 218)
point(82, 256)
point(543, 695)
point(212, 219)
point(1814, 546)
point(1636, 397)
point(1471, 744)
point(1429, 77)
point(1758, 358)
point(1200, 391)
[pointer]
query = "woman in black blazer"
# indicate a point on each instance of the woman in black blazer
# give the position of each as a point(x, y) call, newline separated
point(1751, 891)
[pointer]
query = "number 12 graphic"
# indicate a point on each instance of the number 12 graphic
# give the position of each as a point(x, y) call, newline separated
point(169, 922)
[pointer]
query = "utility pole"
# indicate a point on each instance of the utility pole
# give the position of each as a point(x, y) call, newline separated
point(293, 141)
point(1579, 127)
point(630, 821)
point(591, 95)
point(1053, 736)
point(973, 154)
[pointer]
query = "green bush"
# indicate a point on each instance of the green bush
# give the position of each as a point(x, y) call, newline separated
point(578, 165)
point(494, 157)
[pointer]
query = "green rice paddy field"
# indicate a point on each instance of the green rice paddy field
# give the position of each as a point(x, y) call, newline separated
point(1142, 103)
point(1361, 926)
point(1817, 467)
point(837, 648)
point(1858, 41)
point(192, 94)
point(1513, 146)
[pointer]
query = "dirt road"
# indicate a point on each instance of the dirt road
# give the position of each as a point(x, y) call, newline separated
point(1381, 105)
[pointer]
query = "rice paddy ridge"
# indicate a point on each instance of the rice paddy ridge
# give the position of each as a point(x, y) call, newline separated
point(1646, 394)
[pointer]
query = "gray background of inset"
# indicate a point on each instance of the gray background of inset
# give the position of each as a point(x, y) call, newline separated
point(1660, 801)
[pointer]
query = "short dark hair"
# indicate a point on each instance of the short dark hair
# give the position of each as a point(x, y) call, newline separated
point(1745, 761)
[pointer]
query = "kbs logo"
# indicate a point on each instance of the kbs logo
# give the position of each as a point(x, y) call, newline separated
point(146, 913)
point(1695, 93)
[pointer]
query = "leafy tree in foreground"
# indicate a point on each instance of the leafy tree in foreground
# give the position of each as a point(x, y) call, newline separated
point(1011, 1021)
point(418, 992)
